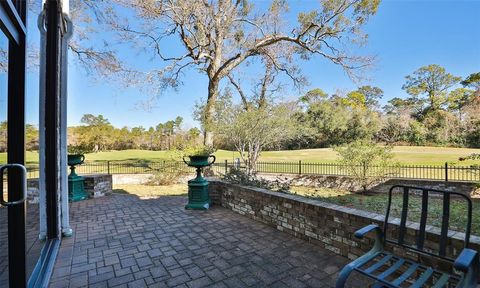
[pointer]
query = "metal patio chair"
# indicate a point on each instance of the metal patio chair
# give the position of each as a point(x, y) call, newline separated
point(390, 270)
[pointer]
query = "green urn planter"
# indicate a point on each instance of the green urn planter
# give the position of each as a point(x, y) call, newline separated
point(76, 190)
point(198, 197)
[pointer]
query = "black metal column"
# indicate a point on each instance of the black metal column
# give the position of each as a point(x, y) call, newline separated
point(53, 19)
point(16, 154)
point(52, 117)
point(16, 141)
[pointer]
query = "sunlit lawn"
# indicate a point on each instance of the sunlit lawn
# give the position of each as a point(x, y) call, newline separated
point(377, 203)
point(414, 155)
point(404, 154)
point(31, 157)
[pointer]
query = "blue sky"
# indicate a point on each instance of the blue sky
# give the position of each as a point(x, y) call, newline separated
point(404, 35)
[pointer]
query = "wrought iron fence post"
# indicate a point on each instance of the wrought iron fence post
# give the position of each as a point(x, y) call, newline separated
point(226, 166)
point(108, 167)
point(299, 166)
point(446, 171)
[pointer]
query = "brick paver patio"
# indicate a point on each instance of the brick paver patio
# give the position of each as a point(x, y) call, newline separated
point(124, 241)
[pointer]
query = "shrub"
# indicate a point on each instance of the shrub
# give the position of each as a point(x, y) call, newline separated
point(476, 167)
point(199, 150)
point(366, 162)
point(167, 175)
point(238, 176)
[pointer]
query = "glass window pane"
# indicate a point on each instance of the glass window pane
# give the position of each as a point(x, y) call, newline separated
point(3, 157)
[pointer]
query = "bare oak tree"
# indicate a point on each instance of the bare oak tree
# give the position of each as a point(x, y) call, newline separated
point(274, 60)
point(87, 17)
point(217, 36)
point(99, 59)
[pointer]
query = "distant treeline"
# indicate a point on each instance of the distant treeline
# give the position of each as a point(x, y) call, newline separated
point(99, 135)
point(31, 134)
point(442, 110)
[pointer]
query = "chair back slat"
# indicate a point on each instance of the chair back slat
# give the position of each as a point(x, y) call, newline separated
point(423, 220)
point(445, 220)
point(403, 219)
point(419, 246)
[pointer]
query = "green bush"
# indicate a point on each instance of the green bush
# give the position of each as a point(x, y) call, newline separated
point(167, 175)
point(238, 176)
point(367, 162)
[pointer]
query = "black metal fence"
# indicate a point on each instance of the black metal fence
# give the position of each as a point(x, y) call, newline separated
point(444, 172)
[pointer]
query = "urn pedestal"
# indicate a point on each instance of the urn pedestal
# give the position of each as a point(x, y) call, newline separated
point(76, 190)
point(198, 197)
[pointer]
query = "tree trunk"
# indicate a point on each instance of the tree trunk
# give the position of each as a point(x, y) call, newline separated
point(209, 111)
point(253, 156)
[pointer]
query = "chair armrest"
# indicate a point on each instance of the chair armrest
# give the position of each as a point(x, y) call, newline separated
point(378, 245)
point(466, 260)
point(362, 232)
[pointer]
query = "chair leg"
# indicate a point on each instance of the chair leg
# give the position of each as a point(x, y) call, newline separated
point(343, 275)
point(470, 279)
point(471, 271)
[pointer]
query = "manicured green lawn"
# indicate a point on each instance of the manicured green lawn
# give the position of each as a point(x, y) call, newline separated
point(414, 155)
point(31, 157)
point(377, 203)
point(404, 154)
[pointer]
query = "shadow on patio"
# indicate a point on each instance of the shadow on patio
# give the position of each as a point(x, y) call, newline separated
point(122, 240)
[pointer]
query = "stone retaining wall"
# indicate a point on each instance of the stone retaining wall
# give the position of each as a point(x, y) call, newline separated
point(327, 225)
point(457, 186)
point(346, 183)
point(327, 181)
point(33, 196)
point(131, 178)
point(96, 185)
